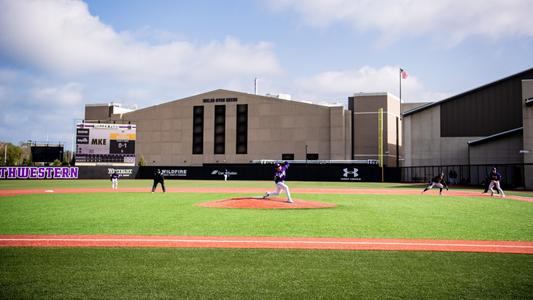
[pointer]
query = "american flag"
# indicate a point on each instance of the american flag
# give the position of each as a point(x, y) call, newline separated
point(403, 73)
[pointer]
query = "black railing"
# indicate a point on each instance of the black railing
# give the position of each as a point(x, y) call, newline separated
point(513, 174)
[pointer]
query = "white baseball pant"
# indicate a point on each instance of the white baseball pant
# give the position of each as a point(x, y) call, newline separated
point(279, 187)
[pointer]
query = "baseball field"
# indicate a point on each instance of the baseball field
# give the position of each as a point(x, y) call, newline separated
point(81, 239)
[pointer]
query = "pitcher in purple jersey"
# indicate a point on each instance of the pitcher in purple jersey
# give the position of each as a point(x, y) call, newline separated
point(279, 179)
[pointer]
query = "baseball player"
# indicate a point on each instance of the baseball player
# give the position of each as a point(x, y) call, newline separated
point(437, 181)
point(159, 178)
point(114, 180)
point(279, 179)
point(226, 175)
point(495, 178)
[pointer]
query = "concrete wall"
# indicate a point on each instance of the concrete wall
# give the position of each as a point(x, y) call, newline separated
point(424, 145)
point(365, 109)
point(527, 113)
point(422, 138)
point(504, 150)
point(454, 150)
point(338, 132)
point(275, 126)
point(96, 112)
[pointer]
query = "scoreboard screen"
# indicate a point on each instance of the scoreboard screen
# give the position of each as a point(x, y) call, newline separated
point(105, 144)
point(46, 153)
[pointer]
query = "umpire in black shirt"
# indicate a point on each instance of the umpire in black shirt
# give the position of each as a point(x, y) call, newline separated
point(159, 178)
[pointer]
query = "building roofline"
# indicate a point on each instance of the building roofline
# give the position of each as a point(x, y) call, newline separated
point(243, 93)
point(103, 104)
point(495, 136)
point(465, 93)
point(361, 94)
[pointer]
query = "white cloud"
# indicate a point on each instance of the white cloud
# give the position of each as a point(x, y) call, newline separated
point(34, 108)
point(68, 58)
point(338, 85)
point(68, 95)
point(449, 20)
point(62, 36)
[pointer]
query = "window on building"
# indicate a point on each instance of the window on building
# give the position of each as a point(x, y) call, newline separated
point(242, 129)
point(312, 156)
point(287, 156)
point(220, 129)
point(198, 130)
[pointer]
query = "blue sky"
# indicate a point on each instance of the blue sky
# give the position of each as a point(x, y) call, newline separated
point(58, 55)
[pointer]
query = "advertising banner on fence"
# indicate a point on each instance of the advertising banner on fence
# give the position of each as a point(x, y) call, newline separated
point(105, 172)
point(39, 172)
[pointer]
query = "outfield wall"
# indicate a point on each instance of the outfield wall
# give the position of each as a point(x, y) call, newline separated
point(303, 172)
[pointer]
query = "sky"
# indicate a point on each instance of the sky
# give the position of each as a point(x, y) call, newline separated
point(58, 55)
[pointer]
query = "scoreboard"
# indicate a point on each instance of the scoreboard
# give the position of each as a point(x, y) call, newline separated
point(105, 144)
point(45, 153)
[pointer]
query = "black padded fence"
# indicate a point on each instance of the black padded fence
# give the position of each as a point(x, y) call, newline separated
point(301, 172)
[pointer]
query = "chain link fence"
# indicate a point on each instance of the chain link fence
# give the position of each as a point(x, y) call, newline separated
point(513, 174)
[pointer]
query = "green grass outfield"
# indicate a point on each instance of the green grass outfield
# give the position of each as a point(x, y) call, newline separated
point(361, 216)
point(260, 274)
point(265, 274)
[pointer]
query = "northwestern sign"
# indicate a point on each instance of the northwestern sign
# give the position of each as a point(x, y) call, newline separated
point(39, 172)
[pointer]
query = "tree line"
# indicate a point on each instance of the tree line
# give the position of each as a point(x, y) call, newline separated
point(13, 155)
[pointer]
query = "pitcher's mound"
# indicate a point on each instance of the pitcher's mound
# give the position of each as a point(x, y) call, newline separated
point(270, 203)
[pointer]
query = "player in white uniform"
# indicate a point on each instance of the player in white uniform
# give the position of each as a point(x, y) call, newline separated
point(226, 175)
point(279, 179)
point(114, 180)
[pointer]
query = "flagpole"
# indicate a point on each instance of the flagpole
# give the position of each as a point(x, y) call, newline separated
point(397, 124)
point(400, 74)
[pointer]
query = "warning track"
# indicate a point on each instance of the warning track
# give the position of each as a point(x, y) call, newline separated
point(136, 241)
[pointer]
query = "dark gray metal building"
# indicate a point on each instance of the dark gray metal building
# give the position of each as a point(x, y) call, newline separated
point(488, 125)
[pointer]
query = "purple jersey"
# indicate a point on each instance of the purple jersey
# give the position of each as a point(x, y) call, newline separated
point(114, 176)
point(281, 173)
point(495, 176)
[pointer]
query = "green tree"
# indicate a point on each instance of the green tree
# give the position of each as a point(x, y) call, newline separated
point(56, 163)
point(14, 155)
point(141, 161)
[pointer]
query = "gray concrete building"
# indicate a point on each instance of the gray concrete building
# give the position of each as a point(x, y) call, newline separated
point(231, 127)
point(224, 126)
point(486, 126)
point(527, 133)
point(365, 108)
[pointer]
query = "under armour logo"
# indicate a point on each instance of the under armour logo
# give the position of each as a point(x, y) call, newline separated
point(354, 172)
